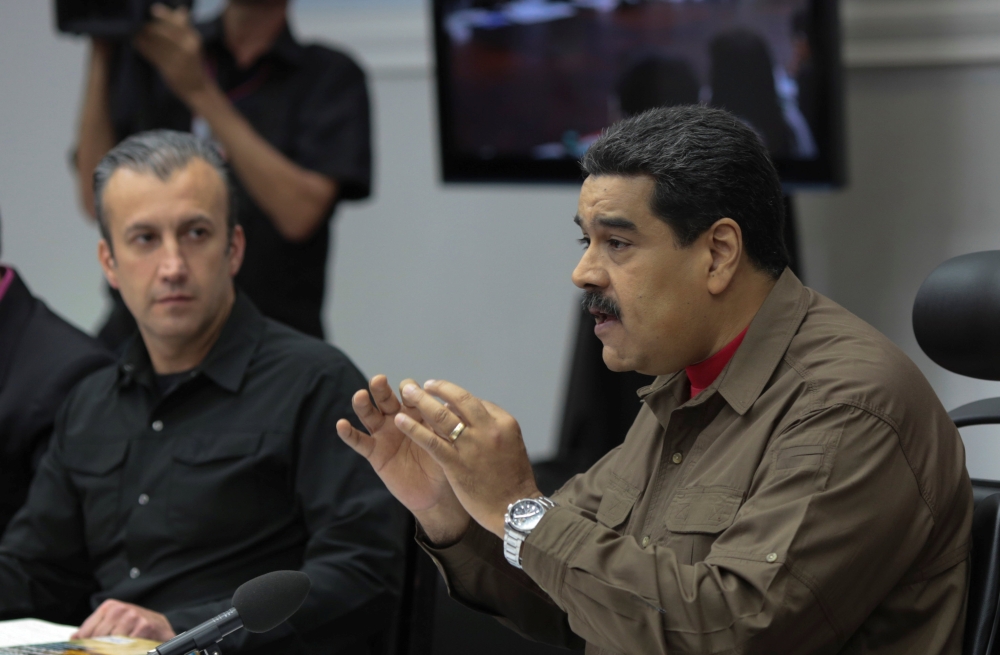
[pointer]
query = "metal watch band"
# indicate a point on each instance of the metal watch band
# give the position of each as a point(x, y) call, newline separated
point(514, 538)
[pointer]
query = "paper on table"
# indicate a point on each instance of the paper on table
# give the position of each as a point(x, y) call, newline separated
point(20, 632)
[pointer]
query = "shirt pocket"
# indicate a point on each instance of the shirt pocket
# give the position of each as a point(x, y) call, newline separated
point(96, 471)
point(696, 518)
point(616, 505)
point(215, 492)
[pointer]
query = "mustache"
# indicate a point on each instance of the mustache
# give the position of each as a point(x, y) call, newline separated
point(602, 304)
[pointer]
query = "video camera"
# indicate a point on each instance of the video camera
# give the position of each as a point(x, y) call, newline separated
point(111, 19)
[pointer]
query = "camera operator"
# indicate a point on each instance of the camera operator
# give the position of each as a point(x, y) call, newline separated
point(292, 120)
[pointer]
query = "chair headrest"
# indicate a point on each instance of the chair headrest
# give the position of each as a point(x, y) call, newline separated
point(956, 315)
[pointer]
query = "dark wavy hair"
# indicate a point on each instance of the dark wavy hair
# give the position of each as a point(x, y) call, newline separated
point(707, 165)
point(160, 152)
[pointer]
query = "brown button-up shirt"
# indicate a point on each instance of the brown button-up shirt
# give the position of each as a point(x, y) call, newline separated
point(814, 499)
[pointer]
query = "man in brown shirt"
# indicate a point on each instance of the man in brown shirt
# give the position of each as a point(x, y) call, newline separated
point(812, 498)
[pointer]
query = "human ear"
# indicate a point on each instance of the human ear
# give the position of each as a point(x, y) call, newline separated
point(725, 243)
point(237, 247)
point(107, 260)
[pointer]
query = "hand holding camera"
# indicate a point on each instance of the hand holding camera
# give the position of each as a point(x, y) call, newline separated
point(171, 43)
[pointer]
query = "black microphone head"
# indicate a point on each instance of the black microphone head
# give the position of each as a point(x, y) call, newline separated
point(269, 600)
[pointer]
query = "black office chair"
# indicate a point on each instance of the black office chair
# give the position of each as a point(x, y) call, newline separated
point(956, 319)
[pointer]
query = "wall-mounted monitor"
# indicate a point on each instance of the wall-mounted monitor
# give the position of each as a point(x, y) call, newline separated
point(525, 86)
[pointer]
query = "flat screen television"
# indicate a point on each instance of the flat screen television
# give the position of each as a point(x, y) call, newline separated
point(525, 86)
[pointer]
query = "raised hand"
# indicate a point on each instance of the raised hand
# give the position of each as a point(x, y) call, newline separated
point(486, 463)
point(172, 44)
point(408, 471)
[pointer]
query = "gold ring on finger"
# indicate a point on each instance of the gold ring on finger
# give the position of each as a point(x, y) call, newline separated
point(457, 432)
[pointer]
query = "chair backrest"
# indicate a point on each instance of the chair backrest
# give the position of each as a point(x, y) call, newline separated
point(956, 318)
point(984, 579)
point(956, 315)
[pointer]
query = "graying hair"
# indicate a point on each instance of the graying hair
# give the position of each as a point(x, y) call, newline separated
point(161, 152)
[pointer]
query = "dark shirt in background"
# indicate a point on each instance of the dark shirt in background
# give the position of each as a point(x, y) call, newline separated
point(41, 358)
point(171, 501)
point(311, 104)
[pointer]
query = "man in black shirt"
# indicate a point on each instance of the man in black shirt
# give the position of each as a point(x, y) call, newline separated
point(292, 120)
point(207, 456)
point(41, 358)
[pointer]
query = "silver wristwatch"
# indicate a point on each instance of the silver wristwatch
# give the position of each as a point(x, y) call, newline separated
point(520, 519)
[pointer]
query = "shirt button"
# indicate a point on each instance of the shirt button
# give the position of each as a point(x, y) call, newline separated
point(157, 425)
point(677, 458)
point(143, 499)
point(645, 541)
point(772, 557)
point(133, 573)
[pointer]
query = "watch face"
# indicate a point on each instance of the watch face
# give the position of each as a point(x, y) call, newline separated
point(525, 514)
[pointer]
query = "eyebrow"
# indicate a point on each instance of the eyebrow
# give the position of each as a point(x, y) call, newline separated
point(612, 222)
point(186, 223)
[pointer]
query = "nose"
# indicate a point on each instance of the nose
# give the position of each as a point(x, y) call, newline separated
point(589, 273)
point(173, 266)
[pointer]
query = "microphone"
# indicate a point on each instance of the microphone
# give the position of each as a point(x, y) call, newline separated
point(259, 605)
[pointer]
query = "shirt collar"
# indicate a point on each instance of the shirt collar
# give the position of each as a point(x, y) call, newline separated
point(744, 378)
point(285, 48)
point(768, 337)
point(227, 361)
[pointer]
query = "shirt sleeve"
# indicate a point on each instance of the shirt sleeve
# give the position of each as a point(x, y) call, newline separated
point(45, 570)
point(333, 134)
point(478, 575)
point(354, 554)
point(805, 560)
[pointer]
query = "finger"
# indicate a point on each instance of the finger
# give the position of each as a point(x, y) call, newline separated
point(441, 450)
point(438, 417)
point(467, 406)
point(124, 625)
point(106, 625)
point(385, 400)
point(86, 628)
point(138, 625)
point(367, 412)
point(363, 444)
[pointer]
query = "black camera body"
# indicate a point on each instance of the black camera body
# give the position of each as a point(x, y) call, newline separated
point(110, 19)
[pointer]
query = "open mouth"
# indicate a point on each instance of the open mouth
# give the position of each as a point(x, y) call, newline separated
point(600, 317)
point(605, 311)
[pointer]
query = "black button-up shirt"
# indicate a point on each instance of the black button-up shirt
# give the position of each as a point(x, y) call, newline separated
point(311, 104)
point(171, 502)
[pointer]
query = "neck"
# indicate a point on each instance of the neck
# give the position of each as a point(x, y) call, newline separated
point(251, 28)
point(176, 355)
point(738, 305)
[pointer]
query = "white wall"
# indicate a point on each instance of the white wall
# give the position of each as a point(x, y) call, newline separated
point(472, 282)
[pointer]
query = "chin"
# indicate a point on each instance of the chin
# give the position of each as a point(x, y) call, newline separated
point(615, 362)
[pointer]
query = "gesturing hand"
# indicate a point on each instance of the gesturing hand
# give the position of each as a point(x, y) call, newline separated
point(114, 617)
point(173, 46)
point(487, 464)
point(410, 474)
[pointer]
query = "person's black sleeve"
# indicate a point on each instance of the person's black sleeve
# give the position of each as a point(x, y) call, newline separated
point(44, 565)
point(354, 553)
point(333, 134)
